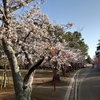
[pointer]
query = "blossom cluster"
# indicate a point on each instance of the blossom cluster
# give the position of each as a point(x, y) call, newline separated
point(34, 31)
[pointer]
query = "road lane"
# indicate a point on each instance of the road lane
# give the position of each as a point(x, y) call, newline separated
point(89, 84)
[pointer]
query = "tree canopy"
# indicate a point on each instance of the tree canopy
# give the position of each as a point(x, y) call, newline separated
point(76, 41)
point(32, 35)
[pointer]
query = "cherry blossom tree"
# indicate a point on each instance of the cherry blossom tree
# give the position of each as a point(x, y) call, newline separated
point(10, 40)
point(30, 34)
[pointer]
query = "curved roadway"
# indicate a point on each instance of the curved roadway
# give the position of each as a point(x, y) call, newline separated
point(88, 84)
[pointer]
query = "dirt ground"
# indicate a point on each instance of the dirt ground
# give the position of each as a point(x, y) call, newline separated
point(43, 88)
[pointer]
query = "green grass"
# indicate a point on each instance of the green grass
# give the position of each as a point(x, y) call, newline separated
point(47, 74)
point(8, 87)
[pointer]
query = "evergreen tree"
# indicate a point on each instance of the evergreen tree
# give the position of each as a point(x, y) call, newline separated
point(76, 41)
point(97, 53)
point(89, 60)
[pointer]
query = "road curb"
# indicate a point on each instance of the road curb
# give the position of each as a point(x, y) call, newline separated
point(75, 85)
point(67, 96)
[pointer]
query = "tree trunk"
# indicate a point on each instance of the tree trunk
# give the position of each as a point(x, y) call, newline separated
point(62, 68)
point(22, 89)
point(4, 77)
point(3, 83)
point(56, 72)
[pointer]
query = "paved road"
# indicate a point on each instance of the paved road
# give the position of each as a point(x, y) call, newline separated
point(89, 84)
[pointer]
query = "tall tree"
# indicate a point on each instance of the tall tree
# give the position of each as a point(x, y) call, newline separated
point(97, 53)
point(89, 60)
point(28, 33)
point(22, 88)
point(76, 41)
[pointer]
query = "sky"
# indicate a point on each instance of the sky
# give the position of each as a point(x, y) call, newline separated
point(85, 14)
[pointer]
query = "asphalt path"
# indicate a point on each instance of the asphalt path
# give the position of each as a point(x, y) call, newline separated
point(88, 84)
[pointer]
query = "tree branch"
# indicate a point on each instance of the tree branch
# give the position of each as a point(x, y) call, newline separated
point(5, 2)
point(33, 68)
point(1, 17)
point(20, 5)
point(28, 58)
point(49, 58)
point(6, 12)
point(27, 36)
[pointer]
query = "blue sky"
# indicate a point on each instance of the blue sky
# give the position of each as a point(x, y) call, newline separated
point(83, 13)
